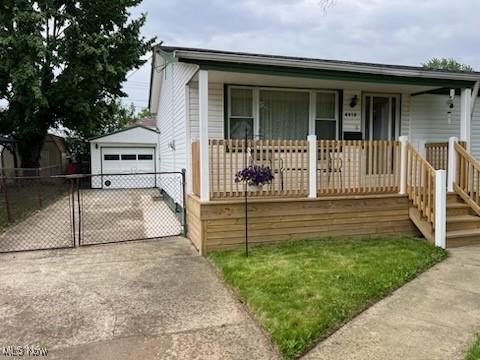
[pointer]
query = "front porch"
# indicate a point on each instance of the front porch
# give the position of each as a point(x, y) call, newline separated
point(334, 187)
point(341, 159)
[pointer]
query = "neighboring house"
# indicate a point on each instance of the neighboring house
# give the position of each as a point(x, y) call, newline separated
point(205, 101)
point(53, 157)
point(150, 122)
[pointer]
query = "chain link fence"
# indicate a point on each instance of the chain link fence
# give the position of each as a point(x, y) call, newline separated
point(35, 213)
point(65, 211)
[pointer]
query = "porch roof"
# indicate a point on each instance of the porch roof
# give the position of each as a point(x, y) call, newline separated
point(239, 62)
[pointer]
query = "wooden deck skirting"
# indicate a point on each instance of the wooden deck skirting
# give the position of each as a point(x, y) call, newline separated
point(221, 224)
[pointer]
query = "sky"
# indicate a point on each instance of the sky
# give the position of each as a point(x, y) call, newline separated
point(405, 32)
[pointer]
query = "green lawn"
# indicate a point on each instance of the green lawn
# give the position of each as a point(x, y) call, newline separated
point(302, 291)
point(474, 352)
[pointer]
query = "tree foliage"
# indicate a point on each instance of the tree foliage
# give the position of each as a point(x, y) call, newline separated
point(77, 142)
point(144, 113)
point(447, 64)
point(63, 63)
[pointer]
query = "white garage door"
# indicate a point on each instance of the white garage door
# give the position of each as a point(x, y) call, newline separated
point(128, 160)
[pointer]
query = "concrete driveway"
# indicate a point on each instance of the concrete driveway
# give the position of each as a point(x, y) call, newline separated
point(153, 299)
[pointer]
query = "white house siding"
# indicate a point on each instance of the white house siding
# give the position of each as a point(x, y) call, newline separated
point(475, 135)
point(429, 118)
point(172, 123)
point(215, 111)
point(405, 114)
point(352, 117)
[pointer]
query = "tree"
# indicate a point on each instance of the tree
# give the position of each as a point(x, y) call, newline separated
point(77, 143)
point(144, 113)
point(62, 64)
point(446, 64)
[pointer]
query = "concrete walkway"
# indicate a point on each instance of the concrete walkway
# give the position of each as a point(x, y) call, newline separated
point(433, 317)
point(154, 299)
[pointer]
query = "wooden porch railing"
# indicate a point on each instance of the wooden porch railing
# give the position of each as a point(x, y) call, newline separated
point(288, 160)
point(467, 183)
point(437, 154)
point(421, 184)
point(345, 167)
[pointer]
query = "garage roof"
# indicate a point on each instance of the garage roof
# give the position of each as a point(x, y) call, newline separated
point(155, 130)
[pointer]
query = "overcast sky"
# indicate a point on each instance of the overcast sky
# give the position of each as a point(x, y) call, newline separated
point(384, 31)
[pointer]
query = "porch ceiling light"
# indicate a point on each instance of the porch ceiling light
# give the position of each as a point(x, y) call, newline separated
point(354, 101)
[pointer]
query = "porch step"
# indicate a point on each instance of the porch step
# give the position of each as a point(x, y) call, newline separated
point(457, 208)
point(462, 222)
point(453, 198)
point(457, 238)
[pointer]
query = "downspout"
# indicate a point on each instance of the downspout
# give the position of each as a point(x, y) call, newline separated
point(474, 96)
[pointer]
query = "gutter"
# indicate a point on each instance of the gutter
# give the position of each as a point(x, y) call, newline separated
point(322, 65)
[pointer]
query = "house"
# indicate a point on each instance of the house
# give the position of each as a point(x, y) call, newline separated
point(355, 148)
point(53, 157)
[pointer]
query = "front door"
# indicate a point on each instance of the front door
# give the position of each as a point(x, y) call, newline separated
point(380, 116)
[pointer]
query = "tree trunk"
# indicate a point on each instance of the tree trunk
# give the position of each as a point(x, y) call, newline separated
point(29, 148)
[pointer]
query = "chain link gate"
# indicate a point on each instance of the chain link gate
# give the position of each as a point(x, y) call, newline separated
point(125, 207)
point(35, 213)
point(77, 210)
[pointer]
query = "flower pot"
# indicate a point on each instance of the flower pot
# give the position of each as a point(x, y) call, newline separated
point(254, 187)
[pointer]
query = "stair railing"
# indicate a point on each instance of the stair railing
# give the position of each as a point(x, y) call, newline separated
point(421, 184)
point(467, 182)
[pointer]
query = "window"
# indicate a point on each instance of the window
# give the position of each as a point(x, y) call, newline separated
point(284, 114)
point(241, 112)
point(111, 157)
point(129, 157)
point(326, 115)
point(276, 113)
point(145, 157)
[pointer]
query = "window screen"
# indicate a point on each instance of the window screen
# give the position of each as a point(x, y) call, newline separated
point(241, 113)
point(325, 116)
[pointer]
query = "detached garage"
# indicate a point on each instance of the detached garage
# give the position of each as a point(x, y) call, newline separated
point(128, 151)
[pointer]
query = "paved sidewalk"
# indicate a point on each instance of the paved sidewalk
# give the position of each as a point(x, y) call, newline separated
point(433, 317)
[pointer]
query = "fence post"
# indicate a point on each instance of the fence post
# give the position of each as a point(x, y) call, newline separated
point(440, 208)
point(184, 191)
point(7, 203)
point(403, 164)
point(312, 166)
point(452, 163)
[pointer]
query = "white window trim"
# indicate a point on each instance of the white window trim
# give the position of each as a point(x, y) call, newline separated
point(229, 112)
point(256, 107)
point(336, 113)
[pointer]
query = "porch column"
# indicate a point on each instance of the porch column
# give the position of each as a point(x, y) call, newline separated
point(403, 164)
point(465, 115)
point(452, 163)
point(203, 125)
point(440, 209)
point(422, 149)
point(312, 166)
